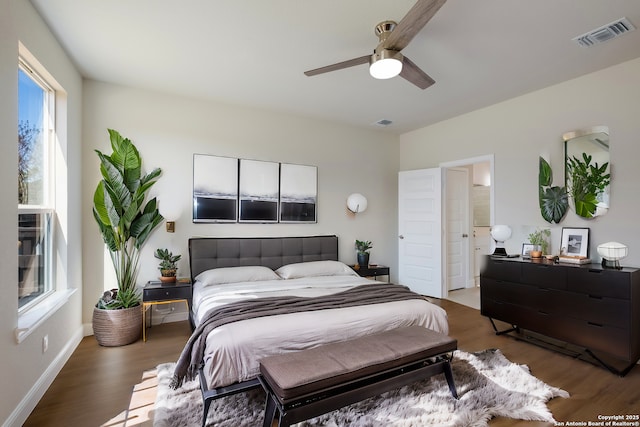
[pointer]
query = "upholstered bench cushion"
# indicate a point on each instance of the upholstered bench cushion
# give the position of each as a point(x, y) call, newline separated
point(300, 373)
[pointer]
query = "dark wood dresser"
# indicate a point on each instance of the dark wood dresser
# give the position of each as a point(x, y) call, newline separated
point(593, 308)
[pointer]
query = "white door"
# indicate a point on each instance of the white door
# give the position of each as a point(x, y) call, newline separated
point(419, 231)
point(457, 227)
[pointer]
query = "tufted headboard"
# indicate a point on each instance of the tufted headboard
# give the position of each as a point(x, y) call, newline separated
point(206, 253)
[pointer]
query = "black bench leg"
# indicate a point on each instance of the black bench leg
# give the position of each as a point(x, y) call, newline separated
point(270, 411)
point(207, 403)
point(448, 374)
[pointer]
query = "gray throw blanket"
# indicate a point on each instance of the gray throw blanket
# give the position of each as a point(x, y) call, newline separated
point(192, 356)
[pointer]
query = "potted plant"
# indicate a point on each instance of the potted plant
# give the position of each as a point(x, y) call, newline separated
point(168, 265)
point(540, 239)
point(125, 222)
point(363, 246)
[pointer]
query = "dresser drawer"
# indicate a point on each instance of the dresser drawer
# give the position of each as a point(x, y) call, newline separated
point(166, 293)
point(501, 270)
point(599, 310)
point(614, 341)
point(600, 283)
point(545, 276)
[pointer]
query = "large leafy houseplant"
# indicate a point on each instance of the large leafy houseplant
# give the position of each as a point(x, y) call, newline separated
point(124, 216)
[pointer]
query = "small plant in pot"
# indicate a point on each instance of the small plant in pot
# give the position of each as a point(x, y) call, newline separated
point(363, 246)
point(168, 265)
point(540, 239)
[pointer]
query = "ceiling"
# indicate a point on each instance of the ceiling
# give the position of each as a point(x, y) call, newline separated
point(253, 52)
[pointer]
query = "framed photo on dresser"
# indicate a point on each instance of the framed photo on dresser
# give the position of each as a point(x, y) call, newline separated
point(575, 242)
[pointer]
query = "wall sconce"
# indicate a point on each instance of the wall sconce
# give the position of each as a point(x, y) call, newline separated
point(356, 203)
point(171, 226)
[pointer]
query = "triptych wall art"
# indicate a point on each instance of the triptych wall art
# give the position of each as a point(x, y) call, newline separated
point(227, 189)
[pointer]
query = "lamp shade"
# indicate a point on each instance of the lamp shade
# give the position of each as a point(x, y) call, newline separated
point(356, 203)
point(500, 233)
point(613, 251)
point(385, 64)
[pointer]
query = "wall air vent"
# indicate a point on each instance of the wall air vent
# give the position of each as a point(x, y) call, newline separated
point(383, 122)
point(604, 33)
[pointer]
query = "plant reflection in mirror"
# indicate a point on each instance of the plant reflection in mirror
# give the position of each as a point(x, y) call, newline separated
point(586, 184)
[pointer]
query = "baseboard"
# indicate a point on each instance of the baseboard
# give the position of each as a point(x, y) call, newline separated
point(31, 399)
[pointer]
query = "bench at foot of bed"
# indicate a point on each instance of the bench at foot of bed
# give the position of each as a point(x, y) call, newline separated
point(304, 384)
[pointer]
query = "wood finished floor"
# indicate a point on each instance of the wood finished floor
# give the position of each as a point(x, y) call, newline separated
point(95, 386)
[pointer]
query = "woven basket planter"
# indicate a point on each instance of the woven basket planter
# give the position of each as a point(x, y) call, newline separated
point(113, 328)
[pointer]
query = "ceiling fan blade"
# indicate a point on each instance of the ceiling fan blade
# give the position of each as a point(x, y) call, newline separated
point(412, 73)
point(412, 23)
point(339, 66)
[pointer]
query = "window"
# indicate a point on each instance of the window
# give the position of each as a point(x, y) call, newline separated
point(36, 100)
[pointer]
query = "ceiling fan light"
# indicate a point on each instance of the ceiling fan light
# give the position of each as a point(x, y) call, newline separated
point(386, 64)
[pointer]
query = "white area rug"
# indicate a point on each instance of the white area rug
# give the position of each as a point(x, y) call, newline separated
point(488, 385)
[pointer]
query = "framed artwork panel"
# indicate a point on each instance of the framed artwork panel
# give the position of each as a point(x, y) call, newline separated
point(298, 193)
point(526, 250)
point(259, 190)
point(575, 242)
point(215, 188)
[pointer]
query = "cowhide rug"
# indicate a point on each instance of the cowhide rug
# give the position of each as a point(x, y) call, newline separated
point(488, 385)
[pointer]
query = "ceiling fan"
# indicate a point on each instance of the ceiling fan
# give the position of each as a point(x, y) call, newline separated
point(386, 60)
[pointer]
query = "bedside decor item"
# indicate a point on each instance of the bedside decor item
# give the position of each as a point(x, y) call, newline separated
point(168, 265)
point(574, 243)
point(553, 200)
point(357, 203)
point(363, 247)
point(500, 233)
point(125, 222)
point(612, 253)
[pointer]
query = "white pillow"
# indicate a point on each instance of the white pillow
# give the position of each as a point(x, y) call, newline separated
point(218, 276)
point(315, 268)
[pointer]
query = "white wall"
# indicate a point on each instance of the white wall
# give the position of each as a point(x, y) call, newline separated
point(26, 370)
point(168, 130)
point(518, 131)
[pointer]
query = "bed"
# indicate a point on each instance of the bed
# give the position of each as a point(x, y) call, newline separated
point(302, 295)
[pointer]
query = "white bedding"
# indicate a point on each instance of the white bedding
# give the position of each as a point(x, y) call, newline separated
point(233, 351)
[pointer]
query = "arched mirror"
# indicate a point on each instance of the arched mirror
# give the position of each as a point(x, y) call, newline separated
point(587, 170)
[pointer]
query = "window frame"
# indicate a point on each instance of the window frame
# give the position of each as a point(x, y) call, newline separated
point(47, 208)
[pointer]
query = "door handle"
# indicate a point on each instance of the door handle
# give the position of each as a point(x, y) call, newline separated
point(465, 235)
point(401, 236)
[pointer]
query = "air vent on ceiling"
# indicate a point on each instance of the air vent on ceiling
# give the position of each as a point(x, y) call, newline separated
point(383, 122)
point(604, 33)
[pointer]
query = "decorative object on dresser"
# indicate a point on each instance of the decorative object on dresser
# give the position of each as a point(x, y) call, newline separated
point(500, 233)
point(125, 221)
point(594, 310)
point(612, 253)
point(168, 264)
point(540, 239)
point(574, 245)
point(489, 385)
point(363, 246)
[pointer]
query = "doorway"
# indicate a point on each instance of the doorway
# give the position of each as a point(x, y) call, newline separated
point(481, 217)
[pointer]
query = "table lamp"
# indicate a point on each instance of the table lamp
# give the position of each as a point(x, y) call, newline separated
point(500, 233)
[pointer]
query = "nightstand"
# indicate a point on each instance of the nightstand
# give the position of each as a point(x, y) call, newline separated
point(373, 271)
point(163, 293)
